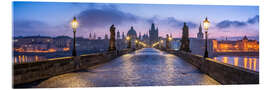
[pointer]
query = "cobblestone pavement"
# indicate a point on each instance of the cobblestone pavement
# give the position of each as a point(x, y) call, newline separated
point(144, 67)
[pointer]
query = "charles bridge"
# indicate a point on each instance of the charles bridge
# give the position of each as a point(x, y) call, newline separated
point(141, 66)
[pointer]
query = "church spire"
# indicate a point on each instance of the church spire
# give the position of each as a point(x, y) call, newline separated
point(106, 36)
point(90, 36)
point(245, 37)
point(118, 35)
point(140, 36)
point(123, 35)
point(200, 28)
point(94, 36)
point(152, 26)
point(200, 33)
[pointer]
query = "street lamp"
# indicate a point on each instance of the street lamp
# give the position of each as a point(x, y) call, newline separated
point(136, 42)
point(74, 25)
point(170, 38)
point(206, 25)
point(129, 41)
point(161, 43)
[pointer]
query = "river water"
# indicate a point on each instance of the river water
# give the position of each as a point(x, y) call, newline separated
point(35, 57)
point(247, 62)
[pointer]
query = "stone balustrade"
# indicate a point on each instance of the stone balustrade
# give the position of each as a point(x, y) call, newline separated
point(29, 72)
point(222, 72)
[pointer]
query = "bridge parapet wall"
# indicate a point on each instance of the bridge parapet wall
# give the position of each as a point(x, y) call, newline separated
point(29, 72)
point(222, 72)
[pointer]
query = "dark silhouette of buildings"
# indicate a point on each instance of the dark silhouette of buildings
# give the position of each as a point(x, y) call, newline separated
point(123, 36)
point(90, 36)
point(106, 37)
point(153, 34)
point(145, 38)
point(118, 35)
point(167, 41)
point(140, 36)
point(94, 36)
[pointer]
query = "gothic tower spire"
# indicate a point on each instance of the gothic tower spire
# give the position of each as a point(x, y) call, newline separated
point(90, 36)
point(118, 35)
point(123, 35)
point(94, 36)
point(200, 33)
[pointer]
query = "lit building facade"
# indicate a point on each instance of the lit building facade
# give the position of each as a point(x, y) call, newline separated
point(243, 45)
point(41, 44)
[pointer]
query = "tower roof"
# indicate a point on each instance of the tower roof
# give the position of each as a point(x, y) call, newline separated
point(132, 31)
point(152, 26)
point(185, 25)
point(245, 38)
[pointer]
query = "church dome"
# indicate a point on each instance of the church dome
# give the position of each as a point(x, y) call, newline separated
point(132, 32)
point(245, 38)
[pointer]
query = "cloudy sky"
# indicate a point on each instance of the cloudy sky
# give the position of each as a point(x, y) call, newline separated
point(53, 19)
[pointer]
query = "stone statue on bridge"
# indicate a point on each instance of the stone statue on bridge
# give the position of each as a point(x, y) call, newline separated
point(112, 39)
point(185, 39)
point(167, 42)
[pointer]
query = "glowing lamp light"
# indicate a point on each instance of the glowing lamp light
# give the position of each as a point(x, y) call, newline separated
point(74, 23)
point(136, 41)
point(170, 38)
point(128, 38)
point(206, 24)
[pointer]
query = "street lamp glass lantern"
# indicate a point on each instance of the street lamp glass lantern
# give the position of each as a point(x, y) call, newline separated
point(206, 24)
point(170, 38)
point(74, 23)
point(128, 38)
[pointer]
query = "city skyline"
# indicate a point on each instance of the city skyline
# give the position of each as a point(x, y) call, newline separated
point(52, 19)
point(75, 44)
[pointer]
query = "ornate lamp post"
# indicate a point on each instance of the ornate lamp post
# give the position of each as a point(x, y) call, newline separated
point(136, 42)
point(206, 25)
point(161, 44)
point(74, 25)
point(170, 39)
point(129, 41)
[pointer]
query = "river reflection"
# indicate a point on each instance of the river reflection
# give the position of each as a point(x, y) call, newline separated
point(27, 59)
point(247, 62)
point(34, 57)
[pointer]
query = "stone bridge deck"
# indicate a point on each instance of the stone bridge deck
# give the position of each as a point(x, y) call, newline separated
point(145, 67)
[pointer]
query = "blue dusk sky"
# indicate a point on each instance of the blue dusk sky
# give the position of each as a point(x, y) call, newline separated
point(53, 19)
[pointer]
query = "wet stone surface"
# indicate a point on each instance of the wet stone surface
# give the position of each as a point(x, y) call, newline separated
point(145, 67)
